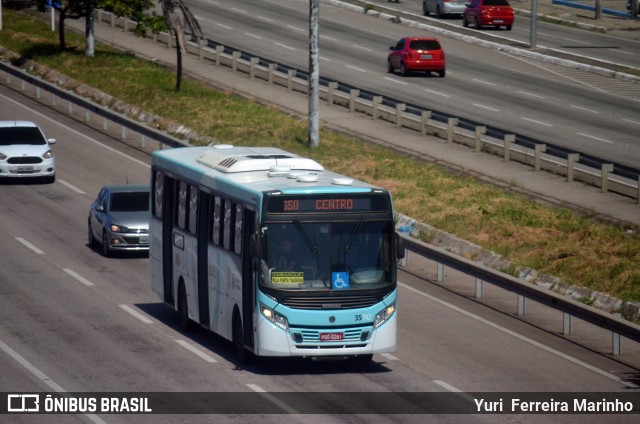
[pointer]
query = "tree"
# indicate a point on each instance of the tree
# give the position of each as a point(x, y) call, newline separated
point(67, 9)
point(176, 20)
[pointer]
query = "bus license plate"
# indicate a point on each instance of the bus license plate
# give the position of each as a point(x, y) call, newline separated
point(329, 337)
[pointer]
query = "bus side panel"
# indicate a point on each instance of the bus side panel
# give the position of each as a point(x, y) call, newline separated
point(185, 269)
point(220, 315)
point(155, 253)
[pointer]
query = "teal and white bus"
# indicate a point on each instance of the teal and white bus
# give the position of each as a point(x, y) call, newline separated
point(273, 252)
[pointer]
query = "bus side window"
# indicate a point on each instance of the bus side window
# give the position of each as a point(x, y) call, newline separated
point(193, 209)
point(237, 243)
point(158, 194)
point(182, 205)
point(226, 232)
point(217, 209)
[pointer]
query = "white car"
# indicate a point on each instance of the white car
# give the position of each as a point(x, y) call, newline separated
point(25, 152)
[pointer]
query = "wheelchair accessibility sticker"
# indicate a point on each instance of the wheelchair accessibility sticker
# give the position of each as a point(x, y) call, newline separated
point(339, 280)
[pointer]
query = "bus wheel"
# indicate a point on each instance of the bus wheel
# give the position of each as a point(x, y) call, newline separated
point(242, 354)
point(183, 310)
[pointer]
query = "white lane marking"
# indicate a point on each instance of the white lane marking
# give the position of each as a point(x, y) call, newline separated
point(196, 351)
point(436, 93)
point(526, 93)
point(453, 389)
point(235, 9)
point(136, 314)
point(257, 37)
point(71, 186)
point(396, 80)
point(536, 122)
point(584, 108)
point(325, 59)
point(284, 46)
point(521, 337)
point(484, 82)
point(622, 51)
point(575, 41)
point(632, 121)
point(389, 356)
point(295, 28)
point(597, 138)
point(42, 376)
point(223, 26)
point(78, 133)
point(272, 398)
point(356, 69)
point(78, 277)
point(328, 38)
point(486, 107)
point(30, 246)
point(361, 47)
point(264, 18)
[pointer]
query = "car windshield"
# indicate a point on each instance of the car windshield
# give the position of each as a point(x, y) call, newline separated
point(21, 135)
point(129, 202)
point(326, 256)
point(424, 45)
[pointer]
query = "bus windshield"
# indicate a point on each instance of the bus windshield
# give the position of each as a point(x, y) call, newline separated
point(351, 255)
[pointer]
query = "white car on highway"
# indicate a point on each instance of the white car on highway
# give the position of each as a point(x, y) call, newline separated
point(25, 152)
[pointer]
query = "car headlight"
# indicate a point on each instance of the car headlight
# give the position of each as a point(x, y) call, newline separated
point(48, 154)
point(3, 156)
point(274, 317)
point(384, 315)
point(118, 229)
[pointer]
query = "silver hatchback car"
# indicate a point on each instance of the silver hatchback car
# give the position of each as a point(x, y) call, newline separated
point(119, 219)
point(443, 7)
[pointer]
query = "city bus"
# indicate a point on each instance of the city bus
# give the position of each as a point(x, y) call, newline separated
point(274, 253)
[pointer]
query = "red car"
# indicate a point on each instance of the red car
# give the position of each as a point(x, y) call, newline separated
point(413, 54)
point(488, 12)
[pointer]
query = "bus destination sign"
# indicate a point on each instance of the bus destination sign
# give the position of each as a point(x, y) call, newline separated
point(326, 204)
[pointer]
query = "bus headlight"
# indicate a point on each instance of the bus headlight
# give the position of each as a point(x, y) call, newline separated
point(384, 315)
point(274, 317)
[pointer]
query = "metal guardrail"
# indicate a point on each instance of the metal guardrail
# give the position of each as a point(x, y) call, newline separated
point(571, 308)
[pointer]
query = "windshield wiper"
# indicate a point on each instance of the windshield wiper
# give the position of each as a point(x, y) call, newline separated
point(312, 245)
point(347, 248)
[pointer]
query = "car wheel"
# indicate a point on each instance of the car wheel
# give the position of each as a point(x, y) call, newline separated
point(183, 310)
point(242, 354)
point(441, 73)
point(508, 27)
point(438, 12)
point(92, 239)
point(465, 23)
point(389, 67)
point(106, 250)
point(403, 70)
point(425, 11)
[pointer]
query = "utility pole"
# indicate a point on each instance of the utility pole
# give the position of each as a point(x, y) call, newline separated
point(314, 75)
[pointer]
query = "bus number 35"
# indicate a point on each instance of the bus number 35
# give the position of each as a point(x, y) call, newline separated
point(363, 317)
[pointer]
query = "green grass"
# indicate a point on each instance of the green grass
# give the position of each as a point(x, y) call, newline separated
point(578, 249)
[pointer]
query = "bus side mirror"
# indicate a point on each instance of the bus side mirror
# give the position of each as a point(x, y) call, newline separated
point(400, 247)
point(253, 246)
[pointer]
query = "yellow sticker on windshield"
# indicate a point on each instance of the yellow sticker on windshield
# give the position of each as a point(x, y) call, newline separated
point(287, 277)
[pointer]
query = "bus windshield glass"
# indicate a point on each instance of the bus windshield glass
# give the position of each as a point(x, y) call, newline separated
point(353, 255)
